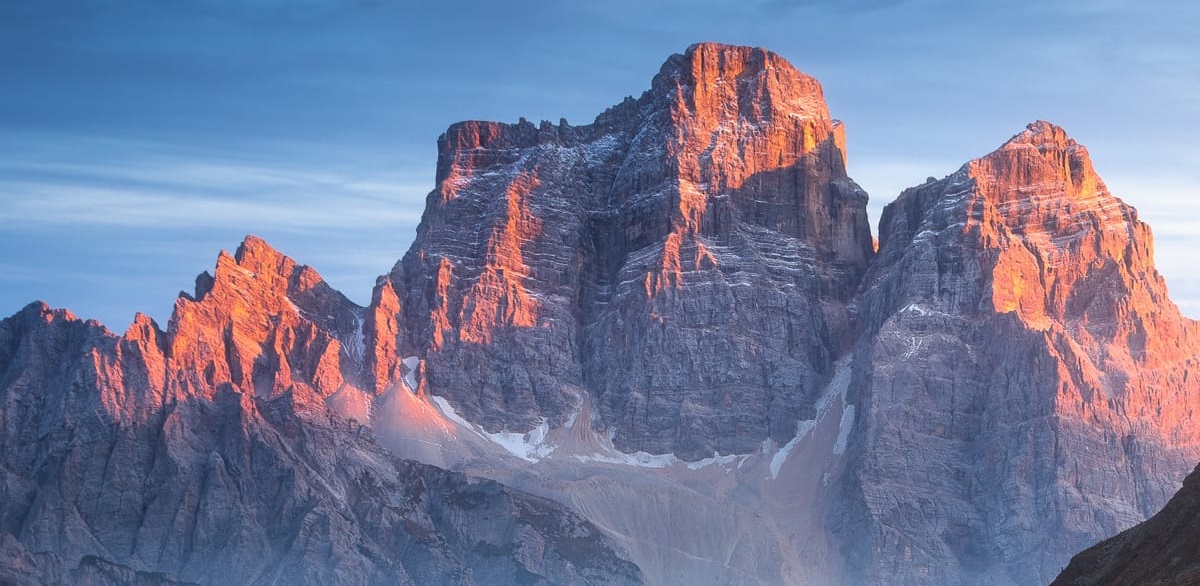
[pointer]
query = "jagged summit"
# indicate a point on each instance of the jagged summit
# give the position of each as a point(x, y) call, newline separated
point(1038, 161)
point(1021, 287)
point(673, 321)
point(611, 255)
point(752, 82)
point(1038, 133)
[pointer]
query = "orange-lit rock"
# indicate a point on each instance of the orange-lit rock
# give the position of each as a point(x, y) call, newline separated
point(690, 275)
point(1024, 376)
point(382, 331)
point(693, 238)
point(265, 325)
point(499, 296)
point(232, 447)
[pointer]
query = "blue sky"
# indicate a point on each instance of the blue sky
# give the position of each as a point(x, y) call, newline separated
point(139, 137)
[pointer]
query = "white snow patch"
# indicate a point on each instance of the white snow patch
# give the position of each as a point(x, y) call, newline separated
point(844, 427)
point(718, 459)
point(530, 446)
point(914, 346)
point(836, 388)
point(444, 406)
point(648, 460)
point(802, 430)
point(640, 459)
point(410, 377)
point(357, 342)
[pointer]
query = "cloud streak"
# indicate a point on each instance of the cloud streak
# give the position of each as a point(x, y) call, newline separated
point(180, 192)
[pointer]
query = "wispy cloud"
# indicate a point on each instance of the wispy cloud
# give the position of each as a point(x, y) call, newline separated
point(112, 225)
point(175, 191)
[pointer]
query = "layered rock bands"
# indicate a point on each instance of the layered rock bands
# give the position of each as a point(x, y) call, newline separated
point(689, 279)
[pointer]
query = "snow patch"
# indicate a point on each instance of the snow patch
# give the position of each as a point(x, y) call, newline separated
point(410, 376)
point(844, 427)
point(640, 459)
point(836, 388)
point(648, 460)
point(357, 342)
point(530, 446)
point(718, 459)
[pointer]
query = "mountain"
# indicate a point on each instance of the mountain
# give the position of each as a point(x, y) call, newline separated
point(660, 348)
point(1024, 382)
point(684, 262)
point(220, 451)
point(1161, 551)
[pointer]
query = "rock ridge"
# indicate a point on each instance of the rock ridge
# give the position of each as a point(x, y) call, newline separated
point(721, 189)
point(688, 292)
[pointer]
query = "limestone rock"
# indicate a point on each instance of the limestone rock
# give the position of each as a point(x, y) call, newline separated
point(672, 326)
point(1161, 551)
point(1024, 383)
point(684, 261)
point(207, 454)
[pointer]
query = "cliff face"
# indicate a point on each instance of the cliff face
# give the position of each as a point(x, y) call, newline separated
point(684, 262)
point(670, 325)
point(226, 449)
point(1161, 551)
point(1024, 381)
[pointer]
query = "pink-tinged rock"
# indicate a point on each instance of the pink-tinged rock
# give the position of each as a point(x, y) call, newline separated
point(1024, 381)
point(684, 260)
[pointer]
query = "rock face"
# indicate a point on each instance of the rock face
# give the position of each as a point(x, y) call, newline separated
point(1023, 380)
point(683, 262)
point(220, 451)
point(1162, 551)
point(671, 325)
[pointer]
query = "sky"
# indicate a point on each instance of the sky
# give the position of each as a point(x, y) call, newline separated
point(140, 137)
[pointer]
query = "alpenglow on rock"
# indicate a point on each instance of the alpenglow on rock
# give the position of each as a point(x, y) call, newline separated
point(224, 451)
point(1024, 383)
point(659, 348)
point(683, 262)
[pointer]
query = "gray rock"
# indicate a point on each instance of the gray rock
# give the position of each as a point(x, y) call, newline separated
point(1161, 551)
point(685, 261)
point(123, 465)
point(1023, 380)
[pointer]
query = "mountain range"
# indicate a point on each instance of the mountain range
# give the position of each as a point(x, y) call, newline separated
point(661, 348)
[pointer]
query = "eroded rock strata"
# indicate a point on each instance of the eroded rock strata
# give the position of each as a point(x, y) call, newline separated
point(226, 450)
point(1024, 382)
point(684, 261)
point(671, 325)
point(1161, 551)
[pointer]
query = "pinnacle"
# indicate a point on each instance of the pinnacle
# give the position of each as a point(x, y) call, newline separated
point(720, 59)
point(254, 247)
point(751, 82)
point(709, 48)
point(1041, 133)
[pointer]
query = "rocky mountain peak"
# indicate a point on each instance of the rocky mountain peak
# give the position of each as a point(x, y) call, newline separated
point(1041, 133)
point(673, 320)
point(1040, 158)
point(265, 325)
point(752, 82)
point(660, 231)
point(1020, 286)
